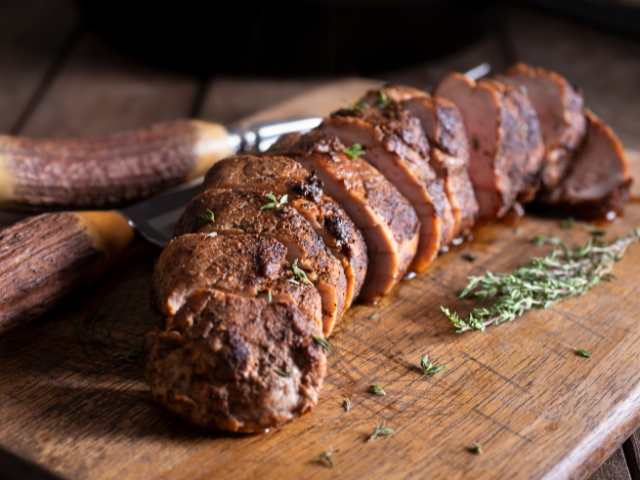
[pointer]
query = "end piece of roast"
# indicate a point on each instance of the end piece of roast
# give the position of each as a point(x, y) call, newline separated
point(283, 176)
point(239, 211)
point(393, 141)
point(386, 219)
point(498, 150)
point(599, 179)
point(449, 153)
point(233, 363)
point(559, 107)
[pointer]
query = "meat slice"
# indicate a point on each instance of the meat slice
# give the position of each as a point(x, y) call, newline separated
point(449, 153)
point(394, 143)
point(239, 211)
point(228, 362)
point(599, 179)
point(246, 265)
point(387, 220)
point(497, 147)
point(280, 176)
point(559, 108)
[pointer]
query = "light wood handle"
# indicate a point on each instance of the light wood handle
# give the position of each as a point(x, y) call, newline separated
point(47, 258)
point(84, 173)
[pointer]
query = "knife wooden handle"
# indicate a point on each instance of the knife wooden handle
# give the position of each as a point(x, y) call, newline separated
point(45, 259)
point(85, 173)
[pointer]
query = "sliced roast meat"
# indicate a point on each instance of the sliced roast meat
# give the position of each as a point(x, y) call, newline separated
point(497, 148)
point(449, 153)
point(239, 211)
point(599, 179)
point(282, 176)
point(394, 143)
point(246, 265)
point(559, 108)
point(387, 220)
point(228, 362)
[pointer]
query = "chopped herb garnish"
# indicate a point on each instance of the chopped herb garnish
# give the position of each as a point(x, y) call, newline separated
point(375, 315)
point(568, 223)
point(354, 151)
point(133, 353)
point(300, 273)
point(428, 368)
point(328, 456)
point(347, 404)
point(326, 346)
point(208, 217)
point(593, 230)
point(275, 203)
point(269, 295)
point(582, 352)
point(476, 145)
point(384, 100)
point(377, 390)
point(211, 235)
point(477, 447)
point(356, 106)
point(470, 257)
point(542, 282)
point(523, 90)
point(287, 372)
point(94, 317)
point(539, 239)
point(294, 281)
point(379, 431)
point(517, 230)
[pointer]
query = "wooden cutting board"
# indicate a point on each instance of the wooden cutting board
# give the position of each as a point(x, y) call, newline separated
point(539, 411)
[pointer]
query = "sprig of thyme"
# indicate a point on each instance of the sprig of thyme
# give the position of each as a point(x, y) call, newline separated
point(275, 203)
point(354, 151)
point(300, 273)
point(326, 346)
point(379, 431)
point(328, 456)
point(428, 368)
point(542, 282)
point(208, 217)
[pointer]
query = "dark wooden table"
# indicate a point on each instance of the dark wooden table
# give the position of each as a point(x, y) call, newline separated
point(57, 79)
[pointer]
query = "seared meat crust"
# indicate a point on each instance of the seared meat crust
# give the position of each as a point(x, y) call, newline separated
point(386, 219)
point(280, 175)
point(228, 362)
point(238, 211)
point(246, 265)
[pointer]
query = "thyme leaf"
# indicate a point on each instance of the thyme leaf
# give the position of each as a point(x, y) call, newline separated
point(211, 235)
point(208, 217)
point(374, 316)
point(428, 368)
point(379, 431)
point(542, 282)
point(133, 353)
point(275, 203)
point(517, 230)
point(568, 223)
point(384, 100)
point(354, 151)
point(359, 106)
point(326, 346)
point(377, 390)
point(328, 456)
point(477, 447)
point(300, 273)
point(347, 404)
point(470, 257)
point(287, 372)
point(582, 352)
point(269, 295)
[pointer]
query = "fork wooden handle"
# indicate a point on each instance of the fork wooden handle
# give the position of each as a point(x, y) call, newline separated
point(40, 174)
point(47, 258)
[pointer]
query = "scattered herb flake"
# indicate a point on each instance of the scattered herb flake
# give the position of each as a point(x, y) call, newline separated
point(275, 203)
point(542, 282)
point(539, 239)
point(477, 447)
point(354, 151)
point(133, 353)
point(377, 390)
point(428, 368)
point(470, 257)
point(384, 100)
point(326, 346)
point(269, 295)
point(517, 230)
point(568, 223)
point(375, 315)
point(287, 372)
point(211, 235)
point(208, 217)
point(300, 273)
point(596, 232)
point(582, 352)
point(347, 404)
point(328, 456)
point(379, 431)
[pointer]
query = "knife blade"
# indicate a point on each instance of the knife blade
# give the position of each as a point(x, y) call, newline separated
point(46, 258)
